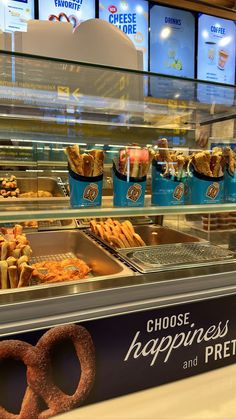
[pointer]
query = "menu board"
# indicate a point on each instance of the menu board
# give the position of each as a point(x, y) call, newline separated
point(73, 11)
point(172, 40)
point(131, 17)
point(14, 15)
point(2, 20)
point(216, 49)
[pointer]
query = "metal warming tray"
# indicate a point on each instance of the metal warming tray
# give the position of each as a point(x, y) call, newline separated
point(175, 256)
point(154, 235)
point(49, 184)
point(66, 244)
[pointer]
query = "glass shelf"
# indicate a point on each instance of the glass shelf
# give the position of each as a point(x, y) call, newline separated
point(39, 212)
point(70, 101)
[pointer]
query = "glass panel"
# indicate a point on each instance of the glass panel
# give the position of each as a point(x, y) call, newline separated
point(46, 105)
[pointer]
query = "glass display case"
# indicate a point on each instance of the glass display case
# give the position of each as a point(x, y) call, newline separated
point(186, 226)
point(117, 211)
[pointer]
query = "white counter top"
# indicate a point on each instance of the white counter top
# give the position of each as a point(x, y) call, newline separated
point(207, 396)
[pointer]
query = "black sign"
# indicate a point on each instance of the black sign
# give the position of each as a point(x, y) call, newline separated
point(132, 352)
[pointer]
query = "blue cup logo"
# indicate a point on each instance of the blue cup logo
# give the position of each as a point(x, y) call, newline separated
point(91, 192)
point(213, 190)
point(134, 192)
point(179, 192)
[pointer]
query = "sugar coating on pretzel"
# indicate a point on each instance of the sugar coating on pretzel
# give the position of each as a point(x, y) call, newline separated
point(31, 357)
point(41, 381)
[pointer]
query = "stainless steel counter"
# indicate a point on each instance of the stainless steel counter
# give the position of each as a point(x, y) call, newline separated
point(38, 307)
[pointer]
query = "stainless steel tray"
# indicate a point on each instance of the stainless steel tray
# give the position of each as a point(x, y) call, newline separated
point(59, 244)
point(154, 235)
point(175, 256)
point(34, 184)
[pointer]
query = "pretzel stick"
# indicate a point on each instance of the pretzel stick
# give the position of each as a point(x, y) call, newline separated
point(25, 276)
point(3, 275)
point(13, 276)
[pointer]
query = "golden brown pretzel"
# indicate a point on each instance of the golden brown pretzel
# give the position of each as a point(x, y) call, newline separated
point(30, 356)
point(41, 381)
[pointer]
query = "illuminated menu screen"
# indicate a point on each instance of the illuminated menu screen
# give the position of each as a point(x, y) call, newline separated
point(73, 11)
point(172, 40)
point(14, 15)
point(131, 17)
point(216, 49)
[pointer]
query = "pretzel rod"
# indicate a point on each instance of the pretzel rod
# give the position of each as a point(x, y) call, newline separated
point(88, 164)
point(3, 275)
point(13, 276)
point(4, 250)
point(25, 276)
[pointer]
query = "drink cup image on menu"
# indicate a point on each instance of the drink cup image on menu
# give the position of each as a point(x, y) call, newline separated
point(211, 51)
point(223, 56)
point(174, 60)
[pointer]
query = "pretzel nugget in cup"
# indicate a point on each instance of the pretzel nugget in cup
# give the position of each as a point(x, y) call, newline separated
point(85, 177)
point(129, 177)
point(169, 176)
point(206, 177)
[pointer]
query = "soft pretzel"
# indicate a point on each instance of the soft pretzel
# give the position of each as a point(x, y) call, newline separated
point(56, 400)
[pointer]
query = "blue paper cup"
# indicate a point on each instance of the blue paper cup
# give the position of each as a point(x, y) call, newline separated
point(128, 191)
point(229, 187)
point(85, 191)
point(168, 190)
point(204, 189)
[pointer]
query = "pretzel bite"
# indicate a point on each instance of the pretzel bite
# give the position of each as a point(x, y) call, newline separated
point(16, 253)
point(26, 251)
point(201, 162)
point(21, 239)
point(17, 230)
point(21, 260)
point(11, 246)
point(11, 261)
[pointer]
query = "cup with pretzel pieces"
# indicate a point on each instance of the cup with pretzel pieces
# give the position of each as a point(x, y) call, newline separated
point(129, 176)
point(169, 176)
point(230, 175)
point(85, 177)
point(206, 177)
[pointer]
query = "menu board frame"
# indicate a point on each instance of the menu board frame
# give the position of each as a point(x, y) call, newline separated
point(73, 20)
point(19, 2)
point(223, 62)
point(194, 14)
point(131, 17)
